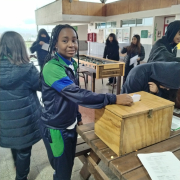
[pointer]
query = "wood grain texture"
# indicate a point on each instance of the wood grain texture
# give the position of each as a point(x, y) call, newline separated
point(98, 145)
point(130, 162)
point(107, 128)
point(89, 136)
point(174, 133)
point(95, 170)
point(141, 131)
point(178, 1)
point(66, 7)
point(124, 133)
point(167, 3)
point(103, 9)
point(109, 70)
point(134, 6)
point(85, 128)
point(141, 173)
point(95, 9)
point(123, 6)
point(83, 8)
point(79, 8)
point(112, 9)
point(148, 101)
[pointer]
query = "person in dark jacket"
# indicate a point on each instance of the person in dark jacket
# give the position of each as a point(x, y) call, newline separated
point(111, 51)
point(159, 78)
point(165, 48)
point(42, 38)
point(61, 96)
point(20, 109)
point(134, 49)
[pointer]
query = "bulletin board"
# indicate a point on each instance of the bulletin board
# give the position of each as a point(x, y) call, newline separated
point(122, 34)
point(144, 34)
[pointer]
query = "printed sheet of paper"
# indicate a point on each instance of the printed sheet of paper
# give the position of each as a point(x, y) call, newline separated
point(161, 166)
point(176, 110)
point(175, 124)
point(45, 46)
point(133, 60)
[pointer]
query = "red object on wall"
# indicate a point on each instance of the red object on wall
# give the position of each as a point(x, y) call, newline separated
point(92, 37)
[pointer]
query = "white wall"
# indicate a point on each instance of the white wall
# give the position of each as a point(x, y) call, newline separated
point(91, 29)
point(138, 29)
point(82, 32)
point(177, 17)
point(160, 26)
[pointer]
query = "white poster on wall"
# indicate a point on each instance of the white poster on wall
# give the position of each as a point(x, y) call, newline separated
point(119, 35)
point(122, 34)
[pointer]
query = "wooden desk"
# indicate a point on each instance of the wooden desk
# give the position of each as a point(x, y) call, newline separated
point(111, 68)
point(92, 73)
point(126, 167)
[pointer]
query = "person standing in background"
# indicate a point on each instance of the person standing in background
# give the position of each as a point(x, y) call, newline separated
point(111, 51)
point(20, 109)
point(42, 38)
point(165, 49)
point(134, 49)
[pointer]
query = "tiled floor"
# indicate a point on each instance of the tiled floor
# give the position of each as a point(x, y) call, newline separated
point(40, 167)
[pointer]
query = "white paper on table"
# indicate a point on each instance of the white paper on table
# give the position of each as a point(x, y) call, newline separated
point(175, 123)
point(45, 46)
point(161, 166)
point(133, 60)
point(176, 110)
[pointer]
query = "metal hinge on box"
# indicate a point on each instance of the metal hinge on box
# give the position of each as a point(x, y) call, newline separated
point(150, 113)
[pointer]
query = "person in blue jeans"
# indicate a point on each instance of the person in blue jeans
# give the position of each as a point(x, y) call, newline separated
point(61, 96)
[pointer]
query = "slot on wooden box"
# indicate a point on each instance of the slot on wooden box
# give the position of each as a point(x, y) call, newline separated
point(125, 129)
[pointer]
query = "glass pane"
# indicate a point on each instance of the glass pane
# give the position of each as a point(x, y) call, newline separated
point(125, 22)
point(113, 24)
point(132, 22)
point(139, 21)
point(148, 21)
point(103, 25)
point(108, 24)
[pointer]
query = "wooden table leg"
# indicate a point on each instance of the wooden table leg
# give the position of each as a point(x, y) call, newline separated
point(85, 172)
point(90, 166)
point(118, 85)
point(86, 78)
point(93, 82)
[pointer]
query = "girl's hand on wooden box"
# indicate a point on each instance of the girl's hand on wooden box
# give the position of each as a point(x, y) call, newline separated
point(124, 99)
point(80, 123)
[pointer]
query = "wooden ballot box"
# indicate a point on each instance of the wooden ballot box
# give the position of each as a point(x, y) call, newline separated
point(125, 129)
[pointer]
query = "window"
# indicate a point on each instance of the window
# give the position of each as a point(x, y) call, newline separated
point(113, 24)
point(148, 21)
point(131, 22)
point(105, 25)
point(137, 22)
point(108, 24)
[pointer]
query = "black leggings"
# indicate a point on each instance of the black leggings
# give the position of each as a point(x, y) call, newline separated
point(22, 162)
